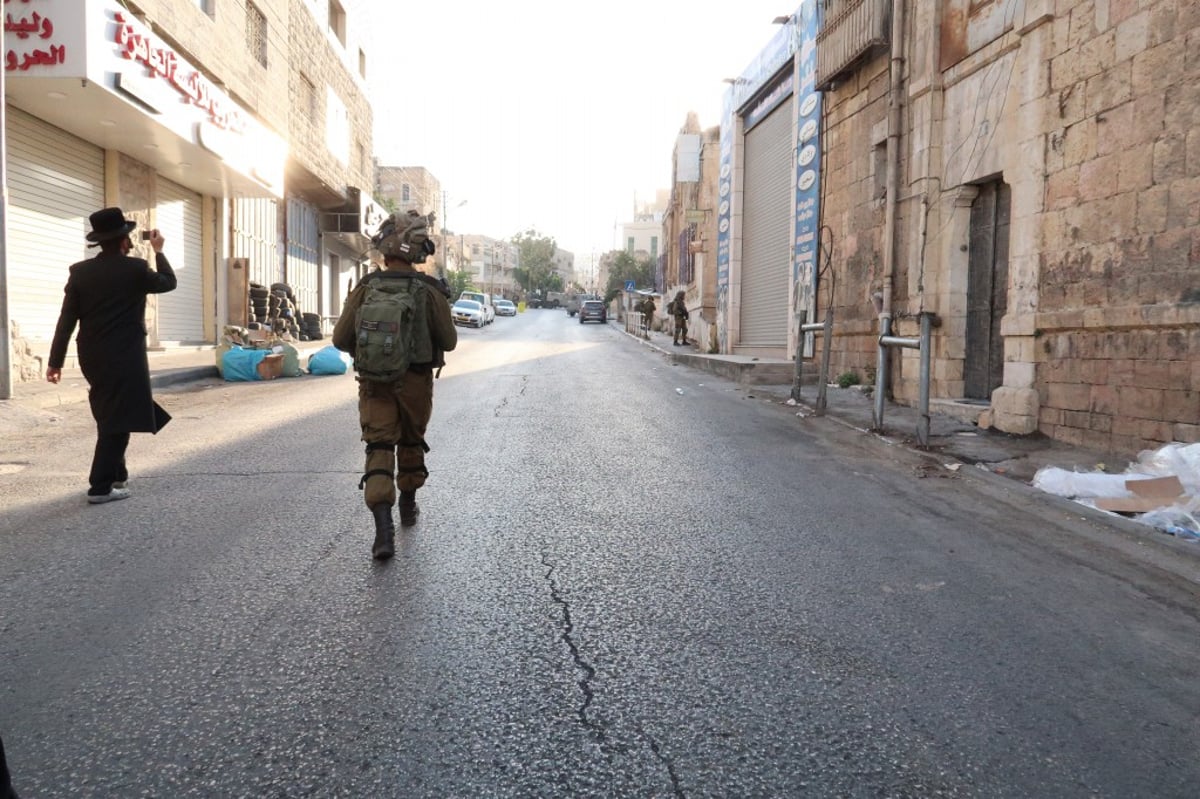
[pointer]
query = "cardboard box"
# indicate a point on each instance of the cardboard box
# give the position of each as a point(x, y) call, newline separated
point(270, 367)
point(1149, 493)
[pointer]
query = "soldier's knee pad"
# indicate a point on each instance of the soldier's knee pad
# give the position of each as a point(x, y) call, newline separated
point(378, 476)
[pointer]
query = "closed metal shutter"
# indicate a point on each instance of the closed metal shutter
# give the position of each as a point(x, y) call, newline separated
point(55, 182)
point(255, 238)
point(181, 312)
point(766, 240)
point(303, 255)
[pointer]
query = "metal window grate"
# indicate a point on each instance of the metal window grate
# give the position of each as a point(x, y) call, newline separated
point(852, 29)
point(256, 33)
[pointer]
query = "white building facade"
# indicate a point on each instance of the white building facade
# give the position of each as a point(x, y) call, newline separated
point(104, 108)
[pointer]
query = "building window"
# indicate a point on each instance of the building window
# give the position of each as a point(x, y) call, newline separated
point(205, 6)
point(308, 98)
point(256, 33)
point(362, 62)
point(337, 21)
point(879, 167)
point(654, 246)
point(405, 194)
point(629, 245)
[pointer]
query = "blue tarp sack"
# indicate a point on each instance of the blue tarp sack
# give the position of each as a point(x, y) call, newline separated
point(241, 364)
point(327, 361)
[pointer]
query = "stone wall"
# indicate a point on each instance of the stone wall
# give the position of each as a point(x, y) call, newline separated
point(216, 44)
point(321, 61)
point(1119, 295)
point(852, 207)
point(1089, 110)
point(1121, 390)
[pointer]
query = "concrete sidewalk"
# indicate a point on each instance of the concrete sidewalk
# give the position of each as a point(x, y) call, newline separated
point(951, 438)
point(167, 368)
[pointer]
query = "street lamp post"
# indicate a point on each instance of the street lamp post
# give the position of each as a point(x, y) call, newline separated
point(445, 227)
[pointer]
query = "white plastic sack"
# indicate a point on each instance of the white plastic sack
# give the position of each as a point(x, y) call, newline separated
point(1180, 520)
point(1065, 483)
point(1181, 460)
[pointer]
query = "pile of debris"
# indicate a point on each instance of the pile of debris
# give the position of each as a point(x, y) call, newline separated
point(1162, 489)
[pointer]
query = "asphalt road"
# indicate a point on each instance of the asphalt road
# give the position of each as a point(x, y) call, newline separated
point(628, 580)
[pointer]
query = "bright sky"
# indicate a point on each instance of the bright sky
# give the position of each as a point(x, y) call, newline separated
point(551, 114)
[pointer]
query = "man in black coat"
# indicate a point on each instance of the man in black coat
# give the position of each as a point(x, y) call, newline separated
point(106, 296)
point(6, 788)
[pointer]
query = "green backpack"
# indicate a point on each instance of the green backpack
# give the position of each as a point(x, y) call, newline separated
point(392, 327)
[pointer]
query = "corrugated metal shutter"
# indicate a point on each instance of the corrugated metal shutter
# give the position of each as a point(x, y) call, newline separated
point(255, 238)
point(55, 181)
point(303, 255)
point(178, 216)
point(766, 241)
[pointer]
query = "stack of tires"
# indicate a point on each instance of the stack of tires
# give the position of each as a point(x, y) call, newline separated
point(310, 327)
point(285, 314)
point(260, 315)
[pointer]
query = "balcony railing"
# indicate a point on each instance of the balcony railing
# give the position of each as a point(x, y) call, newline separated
point(852, 29)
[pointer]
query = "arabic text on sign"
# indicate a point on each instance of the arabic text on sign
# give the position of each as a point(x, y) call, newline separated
point(57, 54)
point(192, 84)
point(37, 25)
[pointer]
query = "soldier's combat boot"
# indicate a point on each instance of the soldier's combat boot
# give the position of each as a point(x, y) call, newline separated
point(408, 508)
point(385, 532)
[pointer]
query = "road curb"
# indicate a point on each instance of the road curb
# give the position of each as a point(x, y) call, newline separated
point(1132, 537)
point(186, 374)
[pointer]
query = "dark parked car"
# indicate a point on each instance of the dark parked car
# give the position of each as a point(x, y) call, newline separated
point(592, 311)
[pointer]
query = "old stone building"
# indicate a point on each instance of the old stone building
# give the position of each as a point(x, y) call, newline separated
point(415, 188)
point(690, 230)
point(1028, 171)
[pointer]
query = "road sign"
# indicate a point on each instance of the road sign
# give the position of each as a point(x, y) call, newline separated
point(629, 285)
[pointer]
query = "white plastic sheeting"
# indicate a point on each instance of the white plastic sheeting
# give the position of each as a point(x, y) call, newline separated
point(1180, 517)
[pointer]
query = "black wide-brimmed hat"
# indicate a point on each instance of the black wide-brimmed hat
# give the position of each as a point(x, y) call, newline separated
point(110, 223)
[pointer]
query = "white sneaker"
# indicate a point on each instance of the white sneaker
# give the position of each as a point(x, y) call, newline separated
point(120, 484)
point(111, 496)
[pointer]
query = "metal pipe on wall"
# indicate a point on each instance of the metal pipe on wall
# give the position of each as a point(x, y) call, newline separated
point(896, 70)
point(6, 379)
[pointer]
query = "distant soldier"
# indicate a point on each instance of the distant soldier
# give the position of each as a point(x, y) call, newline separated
point(677, 308)
point(648, 309)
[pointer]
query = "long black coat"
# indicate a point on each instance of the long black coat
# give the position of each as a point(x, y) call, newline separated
point(106, 296)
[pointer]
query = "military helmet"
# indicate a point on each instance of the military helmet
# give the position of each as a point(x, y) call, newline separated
point(405, 236)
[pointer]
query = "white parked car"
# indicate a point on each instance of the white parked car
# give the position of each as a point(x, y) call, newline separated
point(468, 312)
point(505, 308)
point(485, 300)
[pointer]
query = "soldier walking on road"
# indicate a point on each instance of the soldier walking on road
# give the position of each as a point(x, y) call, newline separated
point(648, 309)
point(106, 297)
point(397, 325)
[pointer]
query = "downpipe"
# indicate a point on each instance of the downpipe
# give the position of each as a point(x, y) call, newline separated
point(883, 299)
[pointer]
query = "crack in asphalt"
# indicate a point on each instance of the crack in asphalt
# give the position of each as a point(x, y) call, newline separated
point(676, 788)
point(585, 687)
point(589, 673)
